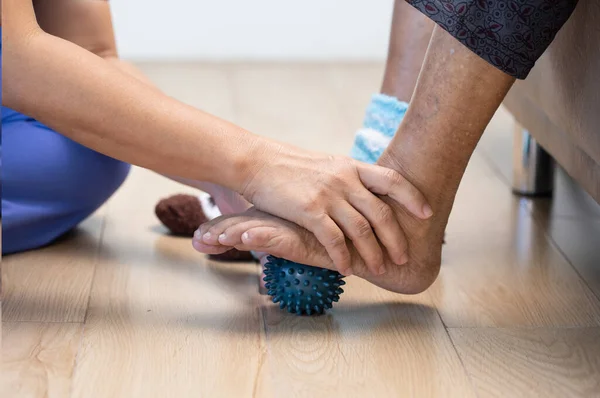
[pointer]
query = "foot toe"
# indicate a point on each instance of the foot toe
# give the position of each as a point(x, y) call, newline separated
point(209, 249)
point(232, 236)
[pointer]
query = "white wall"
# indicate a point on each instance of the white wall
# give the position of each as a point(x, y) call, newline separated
point(252, 29)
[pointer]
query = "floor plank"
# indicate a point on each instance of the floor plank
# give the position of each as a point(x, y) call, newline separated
point(579, 240)
point(372, 344)
point(291, 103)
point(38, 359)
point(201, 85)
point(162, 320)
point(531, 362)
point(354, 84)
point(52, 284)
point(500, 269)
point(569, 200)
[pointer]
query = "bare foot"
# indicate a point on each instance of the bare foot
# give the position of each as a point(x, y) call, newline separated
point(255, 230)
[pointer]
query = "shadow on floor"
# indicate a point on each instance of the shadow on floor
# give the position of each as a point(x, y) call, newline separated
point(353, 316)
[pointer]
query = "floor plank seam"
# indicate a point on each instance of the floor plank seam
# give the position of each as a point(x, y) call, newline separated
point(261, 361)
point(460, 359)
point(554, 244)
point(96, 259)
point(76, 360)
point(87, 307)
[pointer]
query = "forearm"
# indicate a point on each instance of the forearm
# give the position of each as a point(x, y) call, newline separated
point(99, 106)
point(133, 71)
point(456, 96)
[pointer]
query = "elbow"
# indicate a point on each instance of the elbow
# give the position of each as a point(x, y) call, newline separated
point(15, 34)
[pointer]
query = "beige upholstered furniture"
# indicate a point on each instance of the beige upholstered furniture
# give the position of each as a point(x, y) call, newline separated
point(558, 107)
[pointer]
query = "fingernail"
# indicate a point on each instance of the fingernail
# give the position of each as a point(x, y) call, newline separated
point(245, 237)
point(427, 211)
point(206, 236)
point(222, 237)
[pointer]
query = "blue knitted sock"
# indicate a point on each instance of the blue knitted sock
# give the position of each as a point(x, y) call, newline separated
point(382, 119)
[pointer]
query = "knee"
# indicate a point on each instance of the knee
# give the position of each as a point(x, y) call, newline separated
point(108, 176)
point(45, 167)
point(98, 179)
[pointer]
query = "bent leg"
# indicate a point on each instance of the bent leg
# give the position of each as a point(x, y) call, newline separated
point(409, 37)
point(49, 182)
point(455, 98)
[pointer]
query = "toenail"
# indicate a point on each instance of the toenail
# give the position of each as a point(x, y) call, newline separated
point(197, 234)
point(403, 259)
point(206, 236)
point(222, 237)
point(427, 211)
point(245, 237)
point(382, 269)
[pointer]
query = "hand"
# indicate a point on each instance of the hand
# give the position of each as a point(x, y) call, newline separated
point(334, 197)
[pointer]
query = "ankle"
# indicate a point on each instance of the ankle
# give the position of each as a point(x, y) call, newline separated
point(436, 176)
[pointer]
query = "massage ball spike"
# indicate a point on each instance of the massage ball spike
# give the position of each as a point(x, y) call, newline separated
point(303, 289)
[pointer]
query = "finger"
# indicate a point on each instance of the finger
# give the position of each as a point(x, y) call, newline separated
point(383, 181)
point(329, 234)
point(286, 243)
point(359, 231)
point(381, 216)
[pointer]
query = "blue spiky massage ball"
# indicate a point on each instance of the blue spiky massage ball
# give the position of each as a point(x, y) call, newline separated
point(302, 289)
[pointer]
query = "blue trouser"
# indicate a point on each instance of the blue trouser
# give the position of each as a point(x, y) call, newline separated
point(49, 182)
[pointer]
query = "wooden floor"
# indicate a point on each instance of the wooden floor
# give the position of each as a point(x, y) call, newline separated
point(121, 309)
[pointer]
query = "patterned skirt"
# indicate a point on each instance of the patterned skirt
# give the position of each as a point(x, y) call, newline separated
point(509, 34)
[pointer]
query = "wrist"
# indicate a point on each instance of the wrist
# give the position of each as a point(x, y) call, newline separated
point(248, 156)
